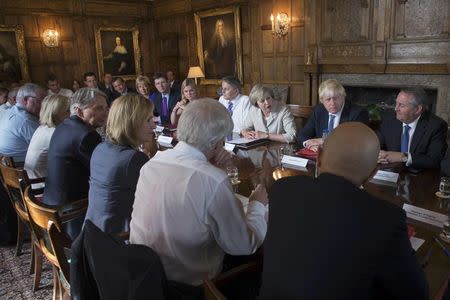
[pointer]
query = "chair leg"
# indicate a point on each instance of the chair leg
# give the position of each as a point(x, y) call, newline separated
point(37, 268)
point(56, 286)
point(33, 254)
point(20, 236)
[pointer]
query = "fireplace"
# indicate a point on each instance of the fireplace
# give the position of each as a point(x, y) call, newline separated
point(363, 88)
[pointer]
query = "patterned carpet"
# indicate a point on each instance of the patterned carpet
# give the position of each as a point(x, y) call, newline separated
point(15, 279)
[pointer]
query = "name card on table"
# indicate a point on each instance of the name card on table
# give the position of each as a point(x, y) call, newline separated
point(424, 215)
point(165, 141)
point(229, 147)
point(294, 161)
point(159, 129)
point(386, 176)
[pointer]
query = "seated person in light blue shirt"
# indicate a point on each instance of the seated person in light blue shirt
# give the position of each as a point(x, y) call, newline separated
point(19, 123)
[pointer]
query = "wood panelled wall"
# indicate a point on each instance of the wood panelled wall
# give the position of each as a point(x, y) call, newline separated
point(266, 58)
point(75, 20)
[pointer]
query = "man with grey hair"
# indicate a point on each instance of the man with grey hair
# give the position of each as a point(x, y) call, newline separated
point(184, 206)
point(70, 151)
point(414, 136)
point(18, 124)
point(238, 105)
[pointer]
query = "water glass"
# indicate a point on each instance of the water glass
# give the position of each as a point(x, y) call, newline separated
point(446, 229)
point(444, 186)
point(233, 174)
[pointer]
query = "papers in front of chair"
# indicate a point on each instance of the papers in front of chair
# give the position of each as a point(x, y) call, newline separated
point(159, 129)
point(244, 200)
point(294, 161)
point(229, 147)
point(386, 176)
point(424, 215)
point(416, 242)
point(165, 141)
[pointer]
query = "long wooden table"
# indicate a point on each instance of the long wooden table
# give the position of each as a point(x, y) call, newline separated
point(262, 165)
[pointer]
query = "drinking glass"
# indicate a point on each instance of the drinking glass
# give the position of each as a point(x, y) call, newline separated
point(444, 186)
point(233, 174)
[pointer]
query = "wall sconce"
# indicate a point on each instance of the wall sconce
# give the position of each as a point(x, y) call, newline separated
point(195, 72)
point(280, 26)
point(50, 38)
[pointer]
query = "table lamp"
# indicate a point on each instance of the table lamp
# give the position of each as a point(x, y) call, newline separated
point(195, 72)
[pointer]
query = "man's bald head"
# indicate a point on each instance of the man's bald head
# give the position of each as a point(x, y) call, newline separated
point(351, 151)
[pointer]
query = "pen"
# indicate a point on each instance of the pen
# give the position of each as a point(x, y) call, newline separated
point(446, 251)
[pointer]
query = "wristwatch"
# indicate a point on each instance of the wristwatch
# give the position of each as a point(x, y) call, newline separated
point(404, 157)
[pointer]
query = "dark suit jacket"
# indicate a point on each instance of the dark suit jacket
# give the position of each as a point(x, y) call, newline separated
point(69, 155)
point(428, 144)
point(174, 97)
point(318, 121)
point(327, 239)
point(110, 93)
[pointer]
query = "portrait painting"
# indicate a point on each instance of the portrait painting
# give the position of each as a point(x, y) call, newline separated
point(219, 43)
point(13, 58)
point(118, 51)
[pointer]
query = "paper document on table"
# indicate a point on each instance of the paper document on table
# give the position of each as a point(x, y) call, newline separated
point(416, 242)
point(243, 141)
point(386, 176)
point(244, 201)
point(294, 161)
point(424, 215)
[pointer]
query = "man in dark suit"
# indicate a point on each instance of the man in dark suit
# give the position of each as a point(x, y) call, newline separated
point(107, 88)
point(414, 136)
point(70, 150)
point(329, 239)
point(174, 84)
point(332, 111)
point(166, 99)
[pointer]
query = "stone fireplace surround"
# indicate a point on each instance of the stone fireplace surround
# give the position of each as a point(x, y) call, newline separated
point(439, 82)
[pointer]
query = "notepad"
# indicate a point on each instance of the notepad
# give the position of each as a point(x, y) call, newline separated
point(294, 161)
point(165, 141)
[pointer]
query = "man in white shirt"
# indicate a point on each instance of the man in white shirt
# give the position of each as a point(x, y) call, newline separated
point(185, 208)
point(55, 89)
point(237, 105)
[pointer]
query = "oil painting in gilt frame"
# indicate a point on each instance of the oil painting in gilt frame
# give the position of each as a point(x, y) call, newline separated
point(13, 58)
point(219, 43)
point(118, 51)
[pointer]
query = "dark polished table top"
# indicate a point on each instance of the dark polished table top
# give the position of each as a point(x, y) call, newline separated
point(262, 165)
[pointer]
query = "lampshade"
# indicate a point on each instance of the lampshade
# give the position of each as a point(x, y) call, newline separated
point(195, 72)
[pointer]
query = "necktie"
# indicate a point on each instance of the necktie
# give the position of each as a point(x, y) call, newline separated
point(405, 139)
point(331, 123)
point(164, 106)
point(230, 107)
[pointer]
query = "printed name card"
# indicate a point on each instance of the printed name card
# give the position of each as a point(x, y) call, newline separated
point(159, 129)
point(424, 215)
point(294, 161)
point(386, 176)
point(229, 147)
point(165, 141)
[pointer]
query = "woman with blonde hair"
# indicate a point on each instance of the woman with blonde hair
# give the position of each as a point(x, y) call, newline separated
point(143, 86)
point(54, 109)
point(189, 93)
point(268, 117)
point(116, 162)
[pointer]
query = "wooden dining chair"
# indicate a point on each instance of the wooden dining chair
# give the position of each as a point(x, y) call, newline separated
point(301, 113)
point(11, 178)
point(213, 289)
point(40, 215)
point(61, 244)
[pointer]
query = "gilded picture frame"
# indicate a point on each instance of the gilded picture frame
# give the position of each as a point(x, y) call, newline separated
point(219, 45)
point(118, 52)
point(13, 62)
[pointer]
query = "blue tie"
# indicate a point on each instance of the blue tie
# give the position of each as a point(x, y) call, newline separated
point(405, 139)
point(331, 124)
point(230, 107)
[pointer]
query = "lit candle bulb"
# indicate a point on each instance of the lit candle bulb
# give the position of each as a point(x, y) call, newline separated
point(271, 20)
point(278, 22)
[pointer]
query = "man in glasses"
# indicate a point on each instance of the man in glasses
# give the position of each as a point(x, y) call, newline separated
point(20, 122)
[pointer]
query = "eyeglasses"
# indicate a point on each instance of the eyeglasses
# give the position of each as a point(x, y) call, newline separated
point(34, 97)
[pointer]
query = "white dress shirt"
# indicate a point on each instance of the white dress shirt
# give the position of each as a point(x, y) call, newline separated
point(241, 107)
point(62, 92)
point(280, 121)
point(186, 211)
